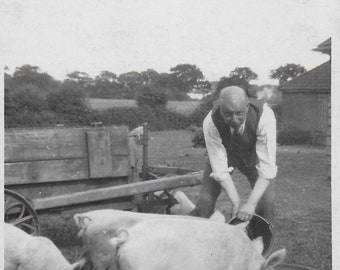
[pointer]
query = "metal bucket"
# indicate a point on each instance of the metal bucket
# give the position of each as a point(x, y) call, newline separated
point(257, 227)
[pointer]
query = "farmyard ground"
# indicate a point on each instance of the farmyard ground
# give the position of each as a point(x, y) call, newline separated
point(303, 198)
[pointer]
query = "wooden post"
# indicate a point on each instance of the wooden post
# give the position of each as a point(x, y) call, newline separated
point(145, 169)
point(145, 142)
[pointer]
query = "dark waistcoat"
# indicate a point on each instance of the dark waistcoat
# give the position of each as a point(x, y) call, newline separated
point(241, 149)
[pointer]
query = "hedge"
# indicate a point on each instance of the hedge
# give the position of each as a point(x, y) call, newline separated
point(157, 118)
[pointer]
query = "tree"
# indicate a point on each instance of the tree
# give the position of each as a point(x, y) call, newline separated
point(130, 79)
point(106, 77)
point(25, 70)
point(105, 85)
point(149, 76)
point(29, 77)
point(24, 101)
point(243, 73)
point(151, 97)
point(287, 72)
point(106, 80)
point(8, 80)
point(187, 77)
point(253, 90)
point(69, 104)
point(81, 78)
point(164, 83)
point(241, 77)
point(202, 87)
point(232, 81)
point(164, 80)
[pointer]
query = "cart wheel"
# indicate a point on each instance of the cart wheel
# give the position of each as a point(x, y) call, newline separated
point(20, 213)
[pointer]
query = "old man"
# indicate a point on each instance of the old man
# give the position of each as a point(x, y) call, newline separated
point(239, 134)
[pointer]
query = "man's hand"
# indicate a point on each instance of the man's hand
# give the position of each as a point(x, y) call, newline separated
point(246, 211)
point(234, 211)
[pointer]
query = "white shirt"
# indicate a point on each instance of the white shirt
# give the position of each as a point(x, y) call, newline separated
point(265, 145)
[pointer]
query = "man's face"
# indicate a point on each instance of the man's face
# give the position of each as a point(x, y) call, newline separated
point(234, 114)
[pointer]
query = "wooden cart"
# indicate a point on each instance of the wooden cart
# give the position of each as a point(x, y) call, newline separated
point(80, 169)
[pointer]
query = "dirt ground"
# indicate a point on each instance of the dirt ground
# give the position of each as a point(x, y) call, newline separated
point(303, 198)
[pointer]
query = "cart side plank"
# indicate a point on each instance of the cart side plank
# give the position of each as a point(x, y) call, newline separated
point(58, 170)
point(47, 144)
point(99, 149)
point(43, 190)
point(169, 170)
point(117, 191)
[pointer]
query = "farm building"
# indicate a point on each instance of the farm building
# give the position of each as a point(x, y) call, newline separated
point(306, 100)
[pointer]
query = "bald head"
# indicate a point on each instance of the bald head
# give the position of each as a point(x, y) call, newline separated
point(233, 95)
point(233, 103)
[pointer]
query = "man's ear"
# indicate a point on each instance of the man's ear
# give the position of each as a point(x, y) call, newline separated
point(247, 107)
point(217, 103)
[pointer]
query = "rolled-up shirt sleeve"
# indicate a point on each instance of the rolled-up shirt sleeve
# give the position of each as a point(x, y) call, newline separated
point(216, 151)
point(266, 144)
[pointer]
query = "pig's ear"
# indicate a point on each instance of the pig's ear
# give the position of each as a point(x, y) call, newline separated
point(81, 220)
point(122, 237)
point(258, 244)
point(275, 258)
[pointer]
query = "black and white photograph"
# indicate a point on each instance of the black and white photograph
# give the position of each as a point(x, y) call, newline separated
point(173, 134)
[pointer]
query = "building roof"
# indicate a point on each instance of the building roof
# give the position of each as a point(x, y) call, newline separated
point(317, 79)
point(325, 47)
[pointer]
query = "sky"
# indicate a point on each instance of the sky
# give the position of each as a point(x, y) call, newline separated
point(135, 35)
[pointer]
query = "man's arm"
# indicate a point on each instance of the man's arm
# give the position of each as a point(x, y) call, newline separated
point(267, 169)
point(247, 210)
point(228, 186)
point(219, 161)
